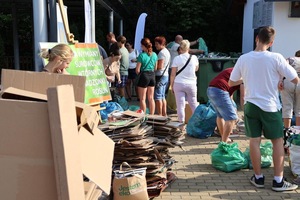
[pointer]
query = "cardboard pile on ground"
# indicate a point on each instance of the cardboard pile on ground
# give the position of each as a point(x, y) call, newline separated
point(47, 145)
point(137, 144)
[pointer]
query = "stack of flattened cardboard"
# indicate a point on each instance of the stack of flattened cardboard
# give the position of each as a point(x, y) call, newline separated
point(166, 129)
point(48, 142)
point(136, 144)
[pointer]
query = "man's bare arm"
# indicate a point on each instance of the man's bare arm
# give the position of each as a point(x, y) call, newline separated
point(234, 83)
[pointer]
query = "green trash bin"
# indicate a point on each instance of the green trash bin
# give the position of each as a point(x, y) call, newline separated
point(209, 68)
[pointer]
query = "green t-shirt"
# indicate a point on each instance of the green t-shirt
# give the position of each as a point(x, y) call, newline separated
point(124, 62)
point(148, 62)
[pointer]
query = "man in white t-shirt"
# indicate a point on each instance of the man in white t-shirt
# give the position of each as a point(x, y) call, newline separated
point(262, 73)
point(173, 49)
point(174, 52)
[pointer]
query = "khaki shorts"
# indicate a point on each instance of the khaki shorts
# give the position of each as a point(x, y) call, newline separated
point(258, 122)
point(290, 98)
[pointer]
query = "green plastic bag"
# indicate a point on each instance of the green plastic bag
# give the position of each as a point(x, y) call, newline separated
point(171, 101)
point(266, 151)
point(228, 158)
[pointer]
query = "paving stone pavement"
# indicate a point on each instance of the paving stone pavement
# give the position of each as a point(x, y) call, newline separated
point(197, 179)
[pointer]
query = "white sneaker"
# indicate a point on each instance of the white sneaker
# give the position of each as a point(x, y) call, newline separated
point(283, 186)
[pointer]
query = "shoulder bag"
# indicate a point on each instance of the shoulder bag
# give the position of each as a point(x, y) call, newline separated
point(159, 79)
point(187, 62)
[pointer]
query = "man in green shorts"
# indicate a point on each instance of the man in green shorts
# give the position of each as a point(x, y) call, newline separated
point(262, 72)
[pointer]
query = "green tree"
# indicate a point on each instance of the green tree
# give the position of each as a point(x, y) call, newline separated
point(209, 19)
point(5, 23)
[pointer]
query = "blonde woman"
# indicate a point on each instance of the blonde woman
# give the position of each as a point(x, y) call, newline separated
point(183, 80)
point(59, 57)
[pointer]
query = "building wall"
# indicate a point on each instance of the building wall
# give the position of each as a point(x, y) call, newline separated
point(287, 39)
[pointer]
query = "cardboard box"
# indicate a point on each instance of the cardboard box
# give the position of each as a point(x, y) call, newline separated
point(27, 167)
point(88, 116)
point(188, 112)
point(39, 82)
point(85, 113)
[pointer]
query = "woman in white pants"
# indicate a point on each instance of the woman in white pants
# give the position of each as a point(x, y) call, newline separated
point(183, 84)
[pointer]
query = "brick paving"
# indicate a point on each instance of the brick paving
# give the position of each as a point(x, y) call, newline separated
point(197, 179)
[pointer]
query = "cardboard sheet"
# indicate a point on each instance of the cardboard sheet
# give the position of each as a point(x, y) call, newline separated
point(26, 158)
point(97, 151)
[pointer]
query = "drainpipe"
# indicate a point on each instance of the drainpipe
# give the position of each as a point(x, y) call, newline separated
point(52, 21)
point(40, 30)
point(15, 38)
point(121, 26)
point(111, 21)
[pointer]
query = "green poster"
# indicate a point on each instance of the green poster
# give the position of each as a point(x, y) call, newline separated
point(87, 62)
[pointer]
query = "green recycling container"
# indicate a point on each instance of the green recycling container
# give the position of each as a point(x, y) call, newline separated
point(208, 69)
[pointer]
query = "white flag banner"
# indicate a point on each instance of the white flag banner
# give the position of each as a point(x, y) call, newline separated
point(88, 22)
point(139, 32)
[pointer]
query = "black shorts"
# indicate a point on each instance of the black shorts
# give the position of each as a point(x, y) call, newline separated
point(147, 79)
point(131, 74)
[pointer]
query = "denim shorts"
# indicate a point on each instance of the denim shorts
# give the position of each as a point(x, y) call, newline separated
point(222, 103)
point(290, 97)
point(160, 89)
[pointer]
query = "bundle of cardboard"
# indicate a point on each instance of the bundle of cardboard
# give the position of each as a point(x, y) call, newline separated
point(137, 143)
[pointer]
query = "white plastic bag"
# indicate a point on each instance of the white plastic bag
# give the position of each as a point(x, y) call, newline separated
point(295, 159)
